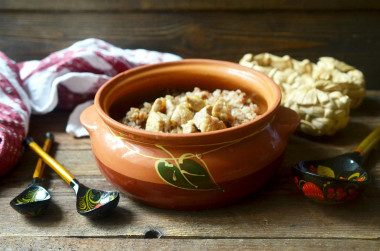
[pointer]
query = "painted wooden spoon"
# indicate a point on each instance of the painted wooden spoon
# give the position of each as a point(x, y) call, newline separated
point(338, 179)
point(90, 202)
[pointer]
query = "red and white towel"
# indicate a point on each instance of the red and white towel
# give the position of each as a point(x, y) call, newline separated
point(14, 114)
point(64, 79)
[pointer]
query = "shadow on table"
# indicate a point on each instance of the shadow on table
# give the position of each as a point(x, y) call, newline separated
point(119, 217)
point(52, 214)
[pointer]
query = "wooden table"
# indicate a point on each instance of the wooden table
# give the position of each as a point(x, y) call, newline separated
point(277, 216)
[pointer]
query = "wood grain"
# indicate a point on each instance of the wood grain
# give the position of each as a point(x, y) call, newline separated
point(351, 36)
point(126, 243)
point(210, 5)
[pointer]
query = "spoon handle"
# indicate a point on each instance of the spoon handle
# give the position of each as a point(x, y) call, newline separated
point(40, 166)
point(369, 142)
point(60, 170)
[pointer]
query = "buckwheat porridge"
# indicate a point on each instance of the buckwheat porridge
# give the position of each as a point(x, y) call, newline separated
point(196, 111)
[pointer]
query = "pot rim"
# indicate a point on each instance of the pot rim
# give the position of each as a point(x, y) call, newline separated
point(257, 124)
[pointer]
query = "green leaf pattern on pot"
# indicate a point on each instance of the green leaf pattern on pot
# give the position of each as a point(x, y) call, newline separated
point(186, 173)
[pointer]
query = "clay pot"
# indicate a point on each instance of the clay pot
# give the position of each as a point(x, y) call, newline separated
point(187, 171)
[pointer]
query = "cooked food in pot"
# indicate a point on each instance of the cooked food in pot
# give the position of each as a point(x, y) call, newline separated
point(196, 111)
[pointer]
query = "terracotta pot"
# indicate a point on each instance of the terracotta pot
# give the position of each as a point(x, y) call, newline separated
point(187, 171)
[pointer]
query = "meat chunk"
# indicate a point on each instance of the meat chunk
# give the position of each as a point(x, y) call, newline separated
point(181, 115)
point(159, 105)
point(189, 127)
point(204, 112)
point(195, 102)
point(157, 122)
point(205, 122)
point(170, 105)
point(211, 123)
point(222, 110)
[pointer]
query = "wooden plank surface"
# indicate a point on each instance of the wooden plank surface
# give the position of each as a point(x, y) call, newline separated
point(154, 5)
point(275, 216)
point(123, 243)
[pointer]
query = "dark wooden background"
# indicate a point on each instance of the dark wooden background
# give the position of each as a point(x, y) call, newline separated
point(348, 30)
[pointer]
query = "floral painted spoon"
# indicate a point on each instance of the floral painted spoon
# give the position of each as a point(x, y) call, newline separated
point(34, 200)
point(90, 202)
point(338, 179)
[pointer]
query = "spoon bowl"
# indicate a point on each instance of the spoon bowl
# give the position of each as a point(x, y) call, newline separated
point(94, 203)
point(338, 179)
point(35, 199)
point(321, 182)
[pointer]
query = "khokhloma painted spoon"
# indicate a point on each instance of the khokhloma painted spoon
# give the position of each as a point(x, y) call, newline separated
point(337, 179)
point(90, 202)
